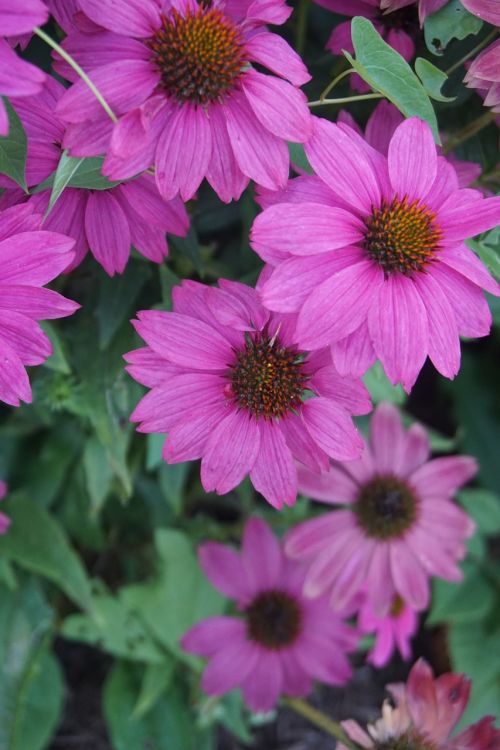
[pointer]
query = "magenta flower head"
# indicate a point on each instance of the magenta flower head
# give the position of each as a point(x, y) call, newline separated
point(371, 253)
point(29, 259)
point(279, 641)
point(484, 75)
point(17, 77)
point(425, 713)
point(399, 526)
point(108, 222)
point(188, 99)
point(393, 630)
point(229, 386)
point(4, 520)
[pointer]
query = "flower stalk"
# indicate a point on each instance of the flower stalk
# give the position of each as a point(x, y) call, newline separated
point(333, 728)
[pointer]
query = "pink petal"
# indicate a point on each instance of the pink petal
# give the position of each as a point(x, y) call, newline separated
point(354, 354)
point(457, 224)
point(205, 638)
point(463, 260)
point(34, 258)
point(346, 392)
point(223, 172)
point(231, 452)
point(321, 661)
point(231, 310)
point(470, 308)
point(301, 444)
point(387, 438)
point(187, 439)
point(416, 449)
point(275, 53)
point(14, 383)
point(18, 19)
point(410, 579)
point(332, 487)
point(444, 344)
point(36, 303)
point(421, 696)
point(274, 474)
point(261, 555)
point(309, 538)
point(488, 10)
point(444, 476)
point(280, 107)
point(224, 569)
point(128, 17)
point(108, 231)
point(412, 159)
point(229, 667)
point(332, 428)
point(263, 685)
point(381, 125)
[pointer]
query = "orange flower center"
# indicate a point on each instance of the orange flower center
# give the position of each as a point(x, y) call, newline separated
point(200, 56)
point(402, 236)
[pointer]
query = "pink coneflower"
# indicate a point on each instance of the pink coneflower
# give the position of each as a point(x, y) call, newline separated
point(29, 259)
point(280, 641)
point(4, 520)
point(17, 77)
point(487, 10)
point(230, 387)
point(370, 254)
point(186, 94)
point(400, 525)
point(108, 222)
point(426, 712)
point(393, 630)
point(484, 75)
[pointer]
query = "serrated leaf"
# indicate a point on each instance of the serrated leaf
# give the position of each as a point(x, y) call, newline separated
point(37, 543)
point(387, 72)
point(13, 149)
point(451, 22)
point(432, 79)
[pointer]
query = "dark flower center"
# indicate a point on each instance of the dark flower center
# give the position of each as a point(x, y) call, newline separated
point(402, 236)
point(409, 740)
point(199, 55)
point(267, 378)
point(405, 19)
point(274, 619)
point(385, 508)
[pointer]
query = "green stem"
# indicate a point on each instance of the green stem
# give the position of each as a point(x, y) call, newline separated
point(333, 83)
point(473, 52)
point(318, 718)
point(345, 100)
point(78, 70)
point(302, 14)
point(469, 130)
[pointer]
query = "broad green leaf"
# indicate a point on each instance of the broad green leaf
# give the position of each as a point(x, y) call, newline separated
point(167, 726)
point(178, 597)
point(154, 443)
point(57, 360)
point(37, 542)
point(473, 649)
point(380, 388)
point(46, 471)
point(468, 601)
point(117, 297)
point(115, 628)
point(299, 158)
point(86, 174)
point(387, 72)
point(168, 280)
point(13, 148)
point(66, 168)
point(30, 678)
point(484, 507)
point(432, 79)
point(173, 479)
point(156, 679)
point(98, 473)
point(488, 249)
point(190, 248)
point(451, 22)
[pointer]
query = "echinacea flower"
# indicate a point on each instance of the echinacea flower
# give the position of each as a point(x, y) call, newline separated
point(108, 222)
point(278, 642)
point(29, 259)
point(394, 630)
point(229, 386)
point(371, 253)
point(4, 520)
point(399, 526)
point(187, 96)
point(484, 75)
point(426, 711)
point(17, 77)
point(487, 10)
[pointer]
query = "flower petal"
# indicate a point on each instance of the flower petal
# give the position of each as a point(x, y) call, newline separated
point(274, 474)
point(230, 453)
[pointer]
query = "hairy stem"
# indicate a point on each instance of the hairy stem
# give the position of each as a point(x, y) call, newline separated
point(318, 718)
point(345, 100)
point(78, 70)
point(469, 130)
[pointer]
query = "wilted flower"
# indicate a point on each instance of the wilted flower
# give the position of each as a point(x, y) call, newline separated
point(400, 525)
point(229, 386)
point(280, 641)
point(484, 75)
point(370, 253)
point(29, 259)
point(186, 95)
point(425, 714)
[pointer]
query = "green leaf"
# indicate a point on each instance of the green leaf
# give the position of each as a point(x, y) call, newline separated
point(154, 448)
point(173, 479)
point(117, 297)
point(178, 597)
point(65, 170)
point(387, 72)
point(157, 678)
point(298, 157)
point(57, 360)
point(86, 174)
point(484, 507)
point(37, 542)
point(469, 601)
point(433, 79)
point(167, 726)
point(13, 149)
point(98, 473)
point(115, 628)
point(190, 248)
point(31, 689)
point(451, 22)
point(488, 249)
point(380, 387)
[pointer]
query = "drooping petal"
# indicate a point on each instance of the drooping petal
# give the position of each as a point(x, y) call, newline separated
point(443, 341)
point(229, 667)
point(107, 230)
point(280, 107)
point(274, 474)
point(137, 18)
point(223, 172)
point(263, 685)
point(205, 638)
point(224, 569)
point(231, 452)
point(275, 53)
point(443, 476)
point(332, 428)
point(261, 555)
point(412, 159)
